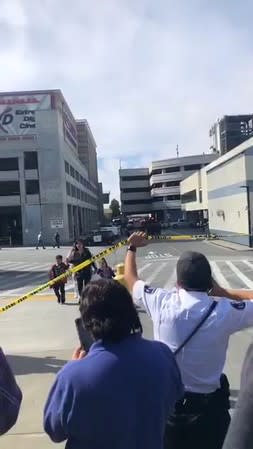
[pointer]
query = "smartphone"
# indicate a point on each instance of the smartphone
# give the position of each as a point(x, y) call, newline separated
point(85, 337)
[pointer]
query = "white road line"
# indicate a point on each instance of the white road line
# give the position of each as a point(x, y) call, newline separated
point(171, 281)
point(144, 268)
point(22, 267)
point(218, 276)
point(156, 272)
point(240, 275)
point(249, 264)
point(24, 288)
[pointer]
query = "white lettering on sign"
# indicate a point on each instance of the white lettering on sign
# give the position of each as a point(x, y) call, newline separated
point(56, 223)
point(18, 113)
point(19, 100)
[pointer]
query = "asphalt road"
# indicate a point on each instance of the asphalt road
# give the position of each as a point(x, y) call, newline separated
point(39, 335)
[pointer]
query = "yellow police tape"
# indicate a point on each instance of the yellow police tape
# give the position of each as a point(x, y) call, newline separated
point(105, 252)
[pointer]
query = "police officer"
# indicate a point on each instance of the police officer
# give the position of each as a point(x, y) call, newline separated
point(197, 328)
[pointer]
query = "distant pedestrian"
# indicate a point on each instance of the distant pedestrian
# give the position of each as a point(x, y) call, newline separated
point(10, 396)
point(196, 328)
point(56, 270)
point(104, 271)
point(119, 394)
point(56, 240)
point(40, 241)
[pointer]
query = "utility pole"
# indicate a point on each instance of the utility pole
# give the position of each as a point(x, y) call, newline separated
point(177, 150)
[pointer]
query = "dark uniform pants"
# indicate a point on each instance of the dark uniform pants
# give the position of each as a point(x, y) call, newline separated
point(59, 290)
point(83, 280)
point(200, 421)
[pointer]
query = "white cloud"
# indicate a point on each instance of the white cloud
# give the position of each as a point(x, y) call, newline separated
point(147, 75)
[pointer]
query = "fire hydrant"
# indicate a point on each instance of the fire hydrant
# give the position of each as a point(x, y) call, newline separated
point(120, 269)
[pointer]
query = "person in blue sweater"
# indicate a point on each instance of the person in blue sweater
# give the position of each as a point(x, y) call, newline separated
point(119, 395)
point(10, 396)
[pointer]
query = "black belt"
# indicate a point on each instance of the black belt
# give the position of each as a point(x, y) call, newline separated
point(198, 402)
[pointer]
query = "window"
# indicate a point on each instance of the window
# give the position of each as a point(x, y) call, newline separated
point(8, 163)
point(157, 171)
point(157, 198)
point(31, 160)
point(136, 202)
point(172, 169)
point(192, 167)
point(66, 167)
point(200, 196)
point(72, 171)
point(68, 188)
point(78, 194)
point(188, 197)
point(32, 187)
point(73, 191)
point(173, 197)
point(77, 176)
point(137, 189)
point(172, 183)
point(9, 188)
point(134, 178)
point(157, 185)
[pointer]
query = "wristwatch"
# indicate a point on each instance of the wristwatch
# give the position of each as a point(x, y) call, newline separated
point(131, 248)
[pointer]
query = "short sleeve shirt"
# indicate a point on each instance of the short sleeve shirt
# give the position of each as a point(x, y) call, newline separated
point(175, 313)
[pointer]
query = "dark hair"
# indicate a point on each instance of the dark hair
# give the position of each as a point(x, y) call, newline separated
point(194, 272)
point(104, 260)
point(59, 256)
point(108, 311)
point(82, 241)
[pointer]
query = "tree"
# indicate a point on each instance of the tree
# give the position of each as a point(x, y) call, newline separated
point(114, 206)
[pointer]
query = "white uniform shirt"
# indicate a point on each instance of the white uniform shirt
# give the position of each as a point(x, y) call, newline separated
point(175, 313)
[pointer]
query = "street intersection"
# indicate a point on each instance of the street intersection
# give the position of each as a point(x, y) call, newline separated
point(39, 335)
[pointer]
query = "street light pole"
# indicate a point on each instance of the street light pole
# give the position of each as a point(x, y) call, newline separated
point(249, 215)
point(249, 212)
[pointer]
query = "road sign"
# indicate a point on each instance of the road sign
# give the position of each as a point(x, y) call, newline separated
point(56, 223)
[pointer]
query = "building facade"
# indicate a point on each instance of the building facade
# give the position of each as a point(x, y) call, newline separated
point(135, 191)
point(44, 182)
point(194, 198)
point(225, 189)
point(157, 190)
point(230, 131)
point(165, 179)
point(230, 194)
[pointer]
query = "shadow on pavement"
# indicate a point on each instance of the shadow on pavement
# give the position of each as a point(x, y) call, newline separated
point(22, 365)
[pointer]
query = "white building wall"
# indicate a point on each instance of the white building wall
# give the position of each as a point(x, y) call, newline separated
point(227, 198)
point(198, 182)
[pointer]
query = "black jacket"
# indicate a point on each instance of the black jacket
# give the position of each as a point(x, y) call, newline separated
point(79, 258)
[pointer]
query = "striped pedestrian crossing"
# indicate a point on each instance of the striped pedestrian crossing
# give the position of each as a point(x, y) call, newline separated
point(17, 278)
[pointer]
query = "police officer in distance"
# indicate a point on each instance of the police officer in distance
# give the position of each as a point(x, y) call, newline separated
point(197, 329)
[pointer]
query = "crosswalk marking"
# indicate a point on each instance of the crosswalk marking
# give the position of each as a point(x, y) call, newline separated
point(156, 272)
point(17, 278)
point(218, 276)
point(240, 275)
point(140, 270)
point(249, 264)
point(171, 281)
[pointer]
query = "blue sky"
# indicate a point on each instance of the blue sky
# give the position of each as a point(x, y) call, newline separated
point(147, 75)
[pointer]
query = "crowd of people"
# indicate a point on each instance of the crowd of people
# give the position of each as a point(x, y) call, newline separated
point(128, 392)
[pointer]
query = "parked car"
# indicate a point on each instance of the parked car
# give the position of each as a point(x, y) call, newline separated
point(181, 224)
point(101, 237)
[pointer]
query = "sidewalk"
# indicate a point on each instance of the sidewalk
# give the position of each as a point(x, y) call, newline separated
point(230, 245)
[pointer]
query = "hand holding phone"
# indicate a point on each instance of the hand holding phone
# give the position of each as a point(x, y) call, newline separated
point(85, 337)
